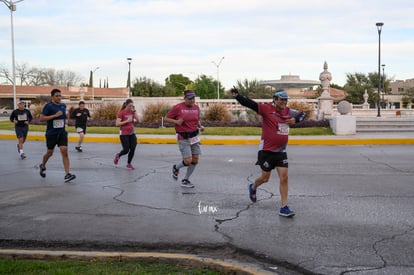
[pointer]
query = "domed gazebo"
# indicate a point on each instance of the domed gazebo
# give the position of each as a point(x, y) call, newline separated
point(292, 84)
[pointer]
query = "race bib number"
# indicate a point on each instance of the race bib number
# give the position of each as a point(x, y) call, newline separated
point(194, 140)
point(79, 130)
point(58, 123)
point(283, 129)
point(22, 117)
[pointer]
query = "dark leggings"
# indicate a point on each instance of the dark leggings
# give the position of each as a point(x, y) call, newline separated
point(129, 143)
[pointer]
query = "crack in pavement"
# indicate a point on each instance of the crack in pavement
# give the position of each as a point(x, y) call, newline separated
point(378, 254)
point(122, 191)
point(387, 165)
point(116, 197)
point(238, 213)
point(227, 237)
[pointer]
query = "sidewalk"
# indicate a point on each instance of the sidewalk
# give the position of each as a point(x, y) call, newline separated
point(358, 139)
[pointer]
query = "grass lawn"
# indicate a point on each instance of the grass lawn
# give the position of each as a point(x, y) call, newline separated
point(72, 267)
point(215, 131)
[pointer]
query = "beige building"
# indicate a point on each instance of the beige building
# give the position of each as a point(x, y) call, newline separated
point(399, 87)
point(396, 91)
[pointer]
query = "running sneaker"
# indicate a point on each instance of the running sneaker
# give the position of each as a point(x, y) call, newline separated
point(116, 159)
point(42, 171)
point(252, 193)
point(286, 212)
point(175, 172)
point(23, 156)
point(69, 177)
point(78, 148)
point(129, 166)
point(186, 183)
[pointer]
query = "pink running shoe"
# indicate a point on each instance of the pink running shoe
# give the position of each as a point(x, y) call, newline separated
point(116, 159)
point(129, 166)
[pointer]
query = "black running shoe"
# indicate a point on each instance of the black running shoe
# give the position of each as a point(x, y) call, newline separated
point(186, 184)
point(78, 148)
point(175, 172)
point(69, 177)
point(42, 171)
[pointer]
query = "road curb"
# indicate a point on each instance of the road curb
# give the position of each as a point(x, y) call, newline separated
point(227, 267)
point(217, 140)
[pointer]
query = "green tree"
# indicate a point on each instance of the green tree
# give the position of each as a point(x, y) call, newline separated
point(178, 83)
point(355, 86)
point(147, 87)
point(90, 79)
point(205, 87)
point(357, 83)
point(253, 89)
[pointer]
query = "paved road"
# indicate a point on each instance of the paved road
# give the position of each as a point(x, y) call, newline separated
point(354, 206)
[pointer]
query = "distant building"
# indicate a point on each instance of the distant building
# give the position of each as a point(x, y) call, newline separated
point(399, 87)
point(292, 84)
point(337, 94)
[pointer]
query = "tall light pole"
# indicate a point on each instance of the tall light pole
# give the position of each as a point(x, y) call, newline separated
point(379, 28)
point(129, 59)
point(218, 80)
point(93, 89)
point(383, 84)
point(12, 7)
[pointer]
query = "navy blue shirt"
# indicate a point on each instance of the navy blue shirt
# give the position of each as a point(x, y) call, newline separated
point(57, 125)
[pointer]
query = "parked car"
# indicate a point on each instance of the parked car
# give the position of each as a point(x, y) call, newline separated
point(6, 111)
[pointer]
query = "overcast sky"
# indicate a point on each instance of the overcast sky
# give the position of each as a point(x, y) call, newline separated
point(259, 39)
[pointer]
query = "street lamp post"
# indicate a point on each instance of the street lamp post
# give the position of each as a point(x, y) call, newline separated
point(383, 84)
point(12, 7)
point(129, 59)
point(93, 89)
point(379, 28)
point(218, 80)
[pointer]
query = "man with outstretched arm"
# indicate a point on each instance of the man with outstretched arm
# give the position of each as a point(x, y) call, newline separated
point(276, 118)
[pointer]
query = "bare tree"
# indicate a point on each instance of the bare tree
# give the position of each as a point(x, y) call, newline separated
point(37, 78)
point(41, 76)
point(23, 73)
point(4, 73)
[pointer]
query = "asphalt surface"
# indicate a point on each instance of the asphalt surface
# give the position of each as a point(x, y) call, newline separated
point(354, 205)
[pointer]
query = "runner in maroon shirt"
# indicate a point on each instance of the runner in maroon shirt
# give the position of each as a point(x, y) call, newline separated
point(125, 121)
point(186, 118)
point(276, 118)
